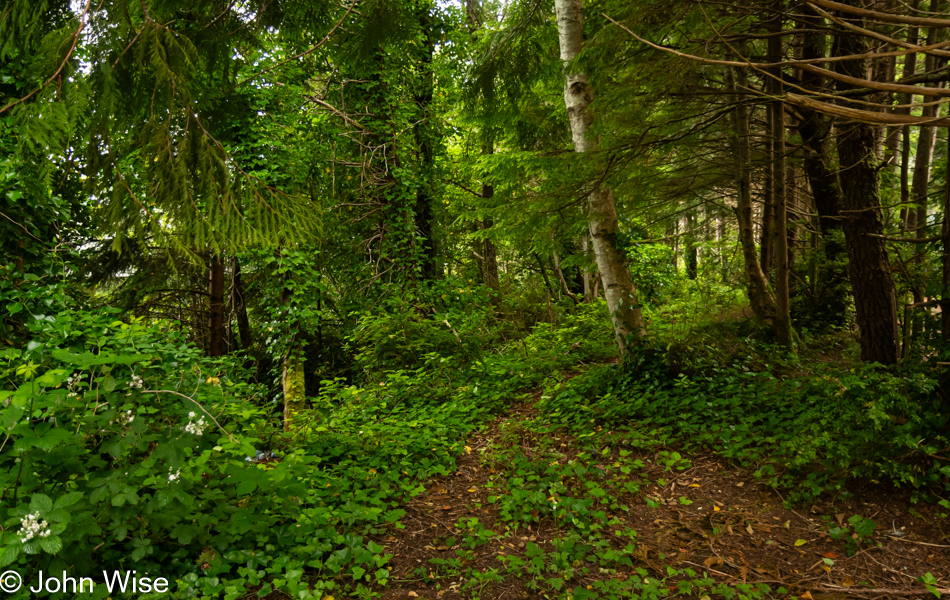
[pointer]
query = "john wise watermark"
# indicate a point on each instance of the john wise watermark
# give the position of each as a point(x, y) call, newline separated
point(10, 581)
point(114, 581)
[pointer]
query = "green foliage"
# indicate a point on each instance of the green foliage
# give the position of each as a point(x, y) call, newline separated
point(808, 432)
point(857, 531)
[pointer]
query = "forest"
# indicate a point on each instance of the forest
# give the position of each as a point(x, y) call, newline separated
point(475, 299)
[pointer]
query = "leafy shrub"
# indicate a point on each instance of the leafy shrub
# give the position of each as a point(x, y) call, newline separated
point(811, 432)
point(452, 320)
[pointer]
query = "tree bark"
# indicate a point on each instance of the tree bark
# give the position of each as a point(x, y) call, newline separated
point(292, 377)
point(240, 306)
point(488, 247)
point(426, 134)
point(293, 382)
point(760, 296)
point(217, 339)
point(783, 319)
point(917, 218)
point(490, 253)
point(473, 15)
point(815, 129)
point(544, 274)
point(945, 259)
point(945, 294)
point(560, 275)
point(692, 253)
point(585, 272)
point(875, 298)
point(602, 215)
point(767, 234)
point(910, 68)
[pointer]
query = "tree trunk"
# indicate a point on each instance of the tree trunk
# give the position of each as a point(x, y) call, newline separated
point(240, 306)
point(875, 300)
point(945, 294)
point(585, 272)
point(815, 129)
point(578, 94)
point(217, 340)
point(544, 274)
point(488, 247)
point(672, 232)
point(760, 296)
point(767, 234)
point(426, 134)
point(490, 253)
point(692, 253)
point(783, 319)
point(560, 276)
point(945, 259)
point(910, 68)
point(473, 15)
point(793, 202)
point(292, 377)
point(295, 398)
point(917, 219)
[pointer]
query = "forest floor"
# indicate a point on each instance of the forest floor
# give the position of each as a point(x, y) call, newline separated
point(493, 528)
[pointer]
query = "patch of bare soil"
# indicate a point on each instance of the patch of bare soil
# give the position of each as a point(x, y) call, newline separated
point(710, 517)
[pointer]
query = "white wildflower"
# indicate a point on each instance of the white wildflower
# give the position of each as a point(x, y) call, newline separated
point(33, 527)
point(136, 382)
point(195, 427)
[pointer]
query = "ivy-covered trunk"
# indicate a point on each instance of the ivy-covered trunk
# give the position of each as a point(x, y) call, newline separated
point(295, 398)
point(427, 138)
point(602, 214)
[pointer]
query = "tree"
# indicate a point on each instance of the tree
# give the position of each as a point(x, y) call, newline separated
point(578, 95)
point(875, 299)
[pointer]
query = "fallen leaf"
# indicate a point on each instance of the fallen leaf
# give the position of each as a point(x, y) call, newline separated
point(740, 484)
point(472, 490)
point(800, 542)
point(694, 485)
point(468, 449)
point(788, 524)
point(830, 555)
point(840, 518)
point(716, 508)
point(807, 596)
point(749, 529)
point(848, 582)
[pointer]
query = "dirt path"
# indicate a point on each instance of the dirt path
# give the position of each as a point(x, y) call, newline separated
point(692, 516)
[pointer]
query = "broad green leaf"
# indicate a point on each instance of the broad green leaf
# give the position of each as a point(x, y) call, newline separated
point(41, 503)
point(68, 499)
point(9, 555)
point(51, 544)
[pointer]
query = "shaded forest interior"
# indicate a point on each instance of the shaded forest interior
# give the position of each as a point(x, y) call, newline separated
point(482, 299)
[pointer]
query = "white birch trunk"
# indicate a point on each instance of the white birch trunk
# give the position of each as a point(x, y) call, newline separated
point(602, 215)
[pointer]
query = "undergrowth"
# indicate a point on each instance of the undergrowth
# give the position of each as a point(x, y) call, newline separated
point(808, 429)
